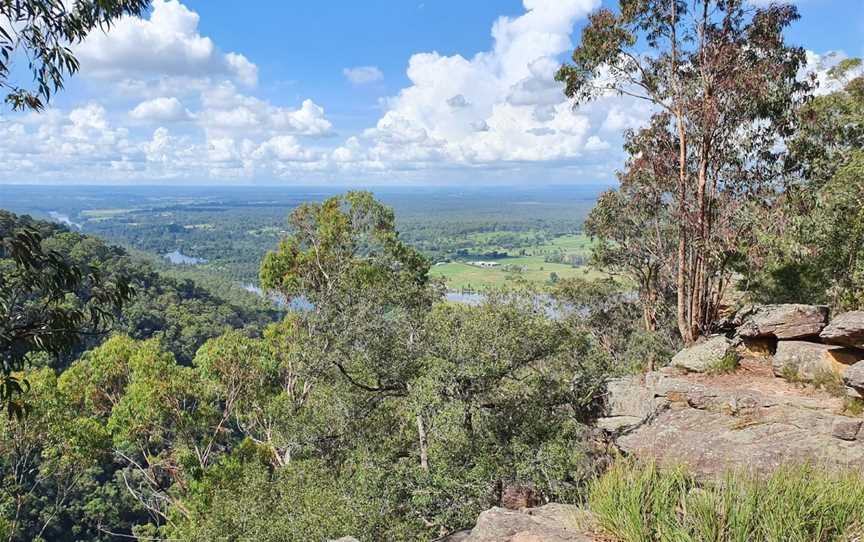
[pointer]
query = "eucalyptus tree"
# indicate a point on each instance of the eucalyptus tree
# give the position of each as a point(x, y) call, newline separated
point(633, 224)
point(368, 291)
point(40, 33)
point(726, 78)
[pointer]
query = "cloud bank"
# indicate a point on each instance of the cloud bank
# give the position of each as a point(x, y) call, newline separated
point(172, 106)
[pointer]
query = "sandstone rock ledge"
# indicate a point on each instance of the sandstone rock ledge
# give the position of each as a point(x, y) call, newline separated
point(746, 420)
point(548, 523)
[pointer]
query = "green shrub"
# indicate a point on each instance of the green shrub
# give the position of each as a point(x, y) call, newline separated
point(638, 502)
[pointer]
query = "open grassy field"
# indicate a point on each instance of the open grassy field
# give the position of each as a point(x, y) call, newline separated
point(461, 275)
point(104, 214)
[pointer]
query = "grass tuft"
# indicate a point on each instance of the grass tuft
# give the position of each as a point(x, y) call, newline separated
point(853, 406)
point(790, 374)
point(830, 382)
point(725, 365)
point(638, 502)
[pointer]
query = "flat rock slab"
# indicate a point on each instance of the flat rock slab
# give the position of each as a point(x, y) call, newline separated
point(806, 360)
point(710, 443)
point(739, 421)
point(786, 321)
point(846, 329)
point(549, 523)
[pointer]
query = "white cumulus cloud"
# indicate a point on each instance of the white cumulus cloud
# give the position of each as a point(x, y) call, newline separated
point(166, 44)
point(362, 75)
point(499, 105)
point(164, 109)
point(225, 111)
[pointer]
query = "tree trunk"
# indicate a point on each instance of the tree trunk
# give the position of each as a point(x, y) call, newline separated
point(681, 286)
point(700, 290)
point(684, 326)
point(424, 446)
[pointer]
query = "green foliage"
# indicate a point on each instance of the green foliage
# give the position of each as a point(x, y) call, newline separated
point(613, 320)
point(790, 374)
point(42, 31)
point(634, 224)
point(809, 247)
point(73, 285)
point(302, 501)
point(48, 302)
point(641, 503)
point(853, 406)
point(347, 241)
point(725, 84)
point(377, 411)
point(53, 469)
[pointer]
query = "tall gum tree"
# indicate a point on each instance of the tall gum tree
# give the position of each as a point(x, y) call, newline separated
point(723, 73)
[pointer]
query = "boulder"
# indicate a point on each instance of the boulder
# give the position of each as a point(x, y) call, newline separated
point(846, 429)
point(846, 329)
point(853, 377)
point(627, 403)
point(805, 360)
point(549, 523)
point(786, 321)
point(627, 396)
point(701, 357)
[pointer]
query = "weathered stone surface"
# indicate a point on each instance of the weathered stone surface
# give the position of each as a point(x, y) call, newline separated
point(549, 523)
point(628, 402)
point(741, 422)
point(787, 321)
point(702, 356)
point(853, 377)
point(846, 329)
point(806, 360)
point(627, 397)
point(846, 429)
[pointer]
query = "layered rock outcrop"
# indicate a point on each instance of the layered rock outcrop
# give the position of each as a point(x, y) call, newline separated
point(749, 418)
point(806, 361)
point(705, 355)
point(548, 523)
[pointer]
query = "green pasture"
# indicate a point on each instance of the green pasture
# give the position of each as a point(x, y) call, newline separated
point(460, 275)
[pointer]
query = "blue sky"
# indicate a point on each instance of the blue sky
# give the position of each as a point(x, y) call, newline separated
point(374, 92)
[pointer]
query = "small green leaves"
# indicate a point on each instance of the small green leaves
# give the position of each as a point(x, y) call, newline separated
point(41, 31)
